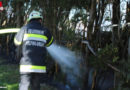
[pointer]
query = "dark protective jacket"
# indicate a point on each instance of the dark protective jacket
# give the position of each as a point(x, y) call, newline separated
point(34, 38)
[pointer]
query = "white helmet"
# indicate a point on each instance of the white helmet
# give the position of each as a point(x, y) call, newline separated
point(34, 15)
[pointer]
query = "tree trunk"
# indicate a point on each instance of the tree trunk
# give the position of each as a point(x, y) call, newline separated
point(116, 20)
point(91, 20)
point(98, 22)
point(128, 12)
point(89, 38)
point(127, 21)
point(19, 12)
point(129, 50)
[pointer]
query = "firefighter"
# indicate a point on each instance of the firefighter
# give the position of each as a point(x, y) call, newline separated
point(34, 38)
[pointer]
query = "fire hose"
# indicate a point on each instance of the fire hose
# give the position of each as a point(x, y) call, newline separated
point(9, 30)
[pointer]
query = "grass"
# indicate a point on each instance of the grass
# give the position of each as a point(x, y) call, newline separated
point(9, 77)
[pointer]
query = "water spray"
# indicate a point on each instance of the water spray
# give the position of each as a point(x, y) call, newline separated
point(69, 62)
point(66, 58)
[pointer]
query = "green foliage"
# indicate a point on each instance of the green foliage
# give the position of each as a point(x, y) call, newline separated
point(107, 55)
point(12, 86)
point(69, 35)
point(107, 18)
point(124, 75)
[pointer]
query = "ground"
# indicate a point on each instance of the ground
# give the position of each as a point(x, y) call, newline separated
point(9, 77)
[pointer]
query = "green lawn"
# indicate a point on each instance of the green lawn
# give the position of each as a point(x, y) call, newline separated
point(9, 78)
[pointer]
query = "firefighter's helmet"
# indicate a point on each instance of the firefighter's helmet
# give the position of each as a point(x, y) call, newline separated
point(34, 15)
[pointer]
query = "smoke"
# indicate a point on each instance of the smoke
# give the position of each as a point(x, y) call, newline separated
point(69, 63)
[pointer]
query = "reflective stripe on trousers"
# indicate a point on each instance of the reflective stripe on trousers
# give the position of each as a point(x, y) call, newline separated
point(32, 68)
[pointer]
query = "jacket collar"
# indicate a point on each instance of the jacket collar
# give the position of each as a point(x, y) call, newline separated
point(34, 22)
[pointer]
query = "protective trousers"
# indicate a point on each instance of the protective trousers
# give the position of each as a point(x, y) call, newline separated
point(30, 80)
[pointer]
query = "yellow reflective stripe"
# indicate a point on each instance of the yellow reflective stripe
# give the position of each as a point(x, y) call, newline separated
point(50, 41)
point(17, 42)
point(32, 67)
point(35, 35)
point(39, 67)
